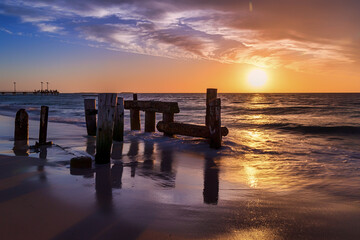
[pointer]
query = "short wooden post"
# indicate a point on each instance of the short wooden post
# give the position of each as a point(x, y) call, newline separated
point(135, 116)
point(168, 117)
point(104, 134)
point(90, 116)
point(21, 126)
point(119, 121)
point(215, 123)
point(150, 119)
point(211, 94)
point(43, 124)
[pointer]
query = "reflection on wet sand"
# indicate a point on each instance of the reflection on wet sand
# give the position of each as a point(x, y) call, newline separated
point(90, 145)
point(117, 150)
point(211, 181)
point(148, 155)
point(116, 175)
point(133, 154)
point(103, 187)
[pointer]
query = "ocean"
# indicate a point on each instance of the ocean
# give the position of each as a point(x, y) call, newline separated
point(289, 168)
point(315, 135)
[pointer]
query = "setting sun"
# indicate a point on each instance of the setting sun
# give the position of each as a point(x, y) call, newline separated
point(257, 78)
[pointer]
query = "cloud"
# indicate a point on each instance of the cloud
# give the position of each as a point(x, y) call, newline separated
point(280, 33)
point(6, 30)
point(49, 28)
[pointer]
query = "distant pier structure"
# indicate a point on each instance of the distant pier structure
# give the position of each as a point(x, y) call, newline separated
point(42, 91)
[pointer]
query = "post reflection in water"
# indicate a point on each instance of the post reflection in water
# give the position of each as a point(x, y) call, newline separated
point(148, 155)
point(133, 152)
point(90, 145)
point(103, 187)
point(211, 181)
point(40, 168)
point(167, 173)
point(117, 150)
point(116, 175)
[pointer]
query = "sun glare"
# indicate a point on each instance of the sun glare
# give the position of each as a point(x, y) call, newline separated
point(257, 78)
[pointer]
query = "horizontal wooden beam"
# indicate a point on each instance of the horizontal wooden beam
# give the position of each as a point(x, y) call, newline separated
point(153, 106)
point(187, 129)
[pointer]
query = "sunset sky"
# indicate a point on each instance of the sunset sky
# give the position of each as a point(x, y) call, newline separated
point(180, 46)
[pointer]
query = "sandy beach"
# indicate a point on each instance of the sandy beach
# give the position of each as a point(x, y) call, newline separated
point(155, 190)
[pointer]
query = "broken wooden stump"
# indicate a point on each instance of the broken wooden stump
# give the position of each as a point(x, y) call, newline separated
point(81, 162)
point(185, 129)
point(104, 134)
point(135, 116)
point(215, 123)
point(44, 114)
point(119, 121)
point(90, 116)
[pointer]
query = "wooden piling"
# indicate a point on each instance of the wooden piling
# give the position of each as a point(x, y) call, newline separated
point(90, 116)
point(150, 119)
point(44, 113)
point(211, 95)
point(119, 121)
point(21, 126)
point(104, 134)
point(215, 123)
point(135, 116)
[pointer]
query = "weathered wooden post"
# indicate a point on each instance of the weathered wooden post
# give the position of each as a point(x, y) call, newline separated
point(168, 117)
point(21, 133)
point(135, 116)
point(90, 116)
point(215, 123)
point(44, 113)
point(119, 121)
point(150, 119)
point(211, 94)
point(104, 134)
point(21, 126)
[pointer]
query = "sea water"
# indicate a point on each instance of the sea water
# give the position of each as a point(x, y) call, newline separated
point(300, 150)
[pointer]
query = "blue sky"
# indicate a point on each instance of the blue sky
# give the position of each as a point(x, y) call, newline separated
point(316, 37)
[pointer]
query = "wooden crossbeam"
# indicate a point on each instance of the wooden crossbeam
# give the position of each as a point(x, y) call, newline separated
point(153, 106)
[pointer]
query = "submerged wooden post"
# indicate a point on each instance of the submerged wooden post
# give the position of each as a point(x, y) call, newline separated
point(21, 126)
point(119, 121)
point(135, 116)
point(44, 113)
point(211, 95)
point(215, 123)
point(90, 116)
point(168, 117)
point(104, 134)
point(150, 119)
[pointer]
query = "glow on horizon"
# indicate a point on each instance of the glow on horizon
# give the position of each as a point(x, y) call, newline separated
point(161, 46)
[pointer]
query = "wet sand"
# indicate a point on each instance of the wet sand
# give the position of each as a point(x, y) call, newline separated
point(155, 190)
